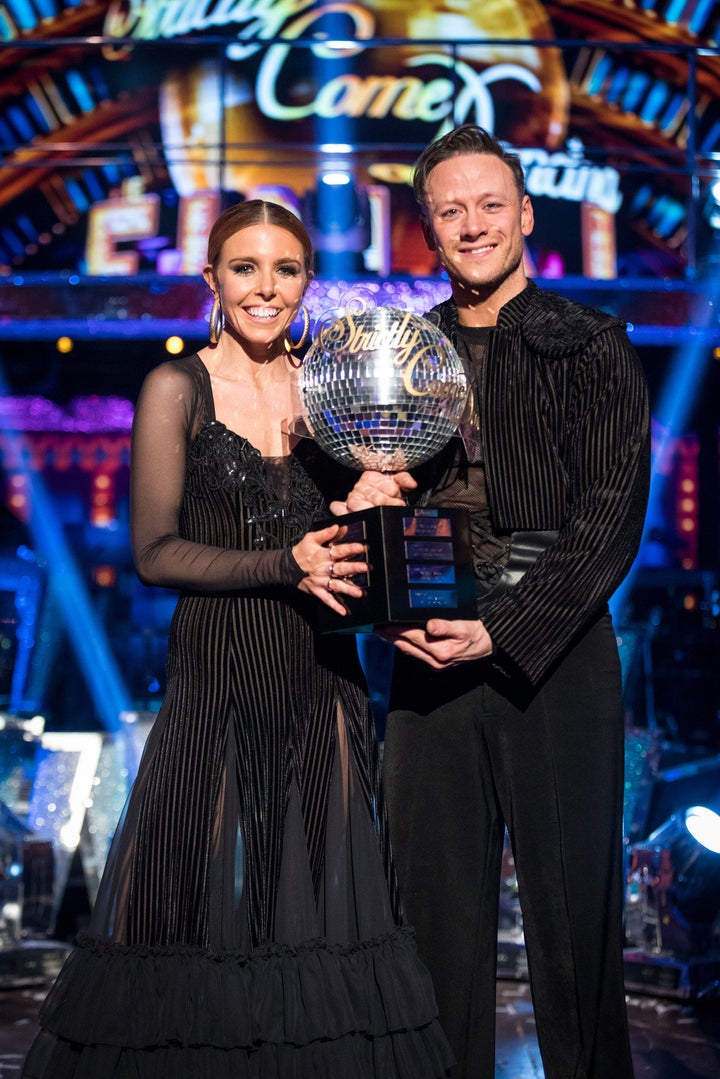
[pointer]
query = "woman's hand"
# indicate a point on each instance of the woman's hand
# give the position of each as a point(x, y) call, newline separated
point(329, 565)
point(375, 489)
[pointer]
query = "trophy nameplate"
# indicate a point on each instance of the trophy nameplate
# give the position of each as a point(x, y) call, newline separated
point(420, 567)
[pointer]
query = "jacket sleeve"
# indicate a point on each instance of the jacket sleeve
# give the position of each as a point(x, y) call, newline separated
point(160, 435)
point(605, 458)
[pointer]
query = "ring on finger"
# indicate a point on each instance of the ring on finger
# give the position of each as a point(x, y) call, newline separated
point(329, 584)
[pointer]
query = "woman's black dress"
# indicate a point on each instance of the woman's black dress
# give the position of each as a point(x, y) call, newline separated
point(248, 923)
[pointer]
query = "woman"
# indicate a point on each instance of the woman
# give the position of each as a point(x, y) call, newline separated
point(248, 922)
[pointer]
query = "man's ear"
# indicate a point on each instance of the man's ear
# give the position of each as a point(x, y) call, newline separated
point(527, 216)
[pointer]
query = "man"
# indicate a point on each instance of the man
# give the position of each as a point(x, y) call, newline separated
point(515, 719)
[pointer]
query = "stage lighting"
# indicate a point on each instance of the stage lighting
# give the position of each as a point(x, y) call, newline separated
point(174, 345)
point(337, 216)
point(672, 904)
point(693, 840)
point(704, 825)
point(712, 205)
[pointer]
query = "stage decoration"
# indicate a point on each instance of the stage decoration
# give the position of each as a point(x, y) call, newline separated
point(90, 433)
point(127, 126)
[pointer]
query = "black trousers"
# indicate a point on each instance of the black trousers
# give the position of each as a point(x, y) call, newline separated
point(464, 756)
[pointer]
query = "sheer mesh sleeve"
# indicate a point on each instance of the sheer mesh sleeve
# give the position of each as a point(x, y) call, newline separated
point(162, 427)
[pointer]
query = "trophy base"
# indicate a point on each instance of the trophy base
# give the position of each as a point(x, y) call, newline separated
point(421, 567)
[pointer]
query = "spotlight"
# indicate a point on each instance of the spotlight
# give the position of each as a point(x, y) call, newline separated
point(712, 205)
point(692, 838)
point(336, 179)
point(704, 825)
point(672, 905)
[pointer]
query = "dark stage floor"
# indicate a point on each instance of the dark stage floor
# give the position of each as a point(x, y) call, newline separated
point(671, 1039)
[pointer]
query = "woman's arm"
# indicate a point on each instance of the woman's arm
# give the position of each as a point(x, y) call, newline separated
point(158, 458)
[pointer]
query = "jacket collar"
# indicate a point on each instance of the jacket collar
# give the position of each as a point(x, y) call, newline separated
point(510, 314)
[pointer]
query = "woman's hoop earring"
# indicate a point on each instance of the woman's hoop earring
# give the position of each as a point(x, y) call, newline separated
point(290, 345)
point(217, 321)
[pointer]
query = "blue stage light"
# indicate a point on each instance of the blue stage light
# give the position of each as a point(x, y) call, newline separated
point(336, 179)
point(670, 413)
point(88, 637)
point(703, 824)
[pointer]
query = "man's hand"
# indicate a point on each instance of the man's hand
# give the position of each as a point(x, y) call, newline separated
point(375, 489)
point(441, 644)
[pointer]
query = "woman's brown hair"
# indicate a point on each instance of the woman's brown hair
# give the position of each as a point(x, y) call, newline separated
point(257, 212)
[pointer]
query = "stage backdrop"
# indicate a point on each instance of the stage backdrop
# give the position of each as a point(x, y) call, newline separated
point(124, 126)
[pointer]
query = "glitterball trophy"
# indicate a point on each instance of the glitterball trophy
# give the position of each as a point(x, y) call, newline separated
point(382, 388)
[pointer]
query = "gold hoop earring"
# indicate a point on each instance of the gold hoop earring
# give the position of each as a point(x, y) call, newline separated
point(290, 345)
point(217, 321)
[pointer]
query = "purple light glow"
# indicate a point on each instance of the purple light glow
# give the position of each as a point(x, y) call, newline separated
point(82, 414)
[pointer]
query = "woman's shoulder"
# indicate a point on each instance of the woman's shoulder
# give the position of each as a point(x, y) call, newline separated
point(182, 375)
point(180, 388)
point(178, 369)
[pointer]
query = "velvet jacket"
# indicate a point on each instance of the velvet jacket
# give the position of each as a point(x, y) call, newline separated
point(565, 429)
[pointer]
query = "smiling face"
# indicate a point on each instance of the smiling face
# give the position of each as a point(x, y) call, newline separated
point(260, 278)
point(476, 221)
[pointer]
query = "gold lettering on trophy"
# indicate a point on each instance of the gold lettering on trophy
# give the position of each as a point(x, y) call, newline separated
point(402, 343)
point(433, 387)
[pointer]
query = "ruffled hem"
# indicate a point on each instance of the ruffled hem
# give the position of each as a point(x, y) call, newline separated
point(411, 1055)
point(319, 1010)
